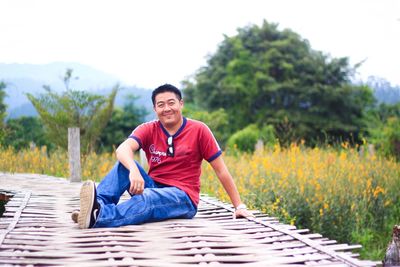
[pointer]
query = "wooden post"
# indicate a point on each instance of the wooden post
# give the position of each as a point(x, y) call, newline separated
point(392, 256)
point(74, 154)
point(259, 146)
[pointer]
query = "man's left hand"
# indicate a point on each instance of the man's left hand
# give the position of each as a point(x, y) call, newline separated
point(242, 213)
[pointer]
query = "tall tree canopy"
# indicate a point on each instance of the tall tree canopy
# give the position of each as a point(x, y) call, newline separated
point(3, 109)
point(23, 132)
point(72, 108)
point(122, 123)
point(266, 76)
point(3, 106)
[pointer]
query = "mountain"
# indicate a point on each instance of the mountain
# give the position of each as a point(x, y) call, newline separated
point(384, 91)
point(52, 74)
point(30, 78)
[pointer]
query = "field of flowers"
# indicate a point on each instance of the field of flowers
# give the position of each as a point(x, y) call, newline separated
point(338, 192)
point(38, 160)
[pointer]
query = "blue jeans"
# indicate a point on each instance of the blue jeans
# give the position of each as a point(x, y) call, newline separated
point(157, 202)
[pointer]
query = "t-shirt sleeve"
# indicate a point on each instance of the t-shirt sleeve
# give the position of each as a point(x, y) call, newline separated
point(209, 145)
point(141, 133)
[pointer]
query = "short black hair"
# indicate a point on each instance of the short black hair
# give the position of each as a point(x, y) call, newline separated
point(166, 88)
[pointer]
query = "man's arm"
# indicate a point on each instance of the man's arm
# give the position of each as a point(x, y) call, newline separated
point(125, 155)
point(227, 182)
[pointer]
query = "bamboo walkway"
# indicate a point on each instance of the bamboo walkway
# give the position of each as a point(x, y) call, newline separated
point(36, 230)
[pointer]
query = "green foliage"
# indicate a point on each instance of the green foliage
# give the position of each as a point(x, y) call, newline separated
point(121, 124)
point(217, 121)
point(266, 76)
point(374, 243)
point(384, 129)
point(3, 109)
point(268, 135)
point(3, 106)
point(246, 139)
point(385, 111)
point(24, 132)
point(391, 138)
point(73, 108)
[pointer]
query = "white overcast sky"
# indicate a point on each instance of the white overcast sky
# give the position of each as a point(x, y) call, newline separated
point(147, 43)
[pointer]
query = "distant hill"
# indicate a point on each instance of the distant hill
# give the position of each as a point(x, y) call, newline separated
point(52, 74)
point(384, 92)
point(29, 78)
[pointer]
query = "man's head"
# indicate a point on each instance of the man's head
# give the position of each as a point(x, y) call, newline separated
point(165, 88)
point(168, 104)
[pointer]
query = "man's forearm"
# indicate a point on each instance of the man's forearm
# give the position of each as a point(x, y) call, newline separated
point(226, 180)
point(125, 155)
point(230, 188)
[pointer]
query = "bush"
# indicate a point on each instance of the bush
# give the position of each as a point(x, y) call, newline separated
point(391, 142)
point(217, 121)
point(246, 139)
point(268, 136)
point(386, 138)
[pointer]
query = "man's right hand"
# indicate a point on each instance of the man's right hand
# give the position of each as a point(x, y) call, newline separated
point(125, 156)
point(137, 183)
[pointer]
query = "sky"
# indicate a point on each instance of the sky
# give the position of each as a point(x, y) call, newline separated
point(148, 43)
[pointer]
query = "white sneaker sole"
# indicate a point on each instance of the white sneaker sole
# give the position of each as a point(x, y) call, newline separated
point(87, 199)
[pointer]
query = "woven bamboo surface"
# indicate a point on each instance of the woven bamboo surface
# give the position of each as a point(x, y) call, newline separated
point(36, 230)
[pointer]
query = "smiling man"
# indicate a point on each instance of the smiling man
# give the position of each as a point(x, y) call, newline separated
point(175, 147)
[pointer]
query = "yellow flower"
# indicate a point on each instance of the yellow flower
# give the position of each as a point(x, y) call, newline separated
point(378, 190)
point(387, 203)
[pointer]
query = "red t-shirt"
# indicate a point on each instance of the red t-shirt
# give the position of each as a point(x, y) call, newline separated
point(193, 142)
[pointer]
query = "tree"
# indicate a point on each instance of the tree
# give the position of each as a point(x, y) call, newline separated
point(72, 108)
point(384, 111)
point(25, 131)
point(266, 76)
point(3, 108)
point(121, 124)
point(247, 138)
point(216, 120)
point(384, 129)
point(385, 135)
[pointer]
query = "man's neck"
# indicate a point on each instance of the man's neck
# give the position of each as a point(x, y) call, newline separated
point(172, 129)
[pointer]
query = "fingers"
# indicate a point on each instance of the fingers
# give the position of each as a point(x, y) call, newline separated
point(136, 183)
point(243, 213)
point(139, 189)
point(135, 191)
point(136, 187)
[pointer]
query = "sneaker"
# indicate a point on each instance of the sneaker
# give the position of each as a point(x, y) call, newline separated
point(75, 215)
point(89, 206)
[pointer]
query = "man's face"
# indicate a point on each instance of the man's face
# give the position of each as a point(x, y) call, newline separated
point(168, 109)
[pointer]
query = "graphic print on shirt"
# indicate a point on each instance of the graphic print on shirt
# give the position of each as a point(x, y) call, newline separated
point(155, 154)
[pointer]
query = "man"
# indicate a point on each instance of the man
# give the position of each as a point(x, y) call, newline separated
point(175, 147)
